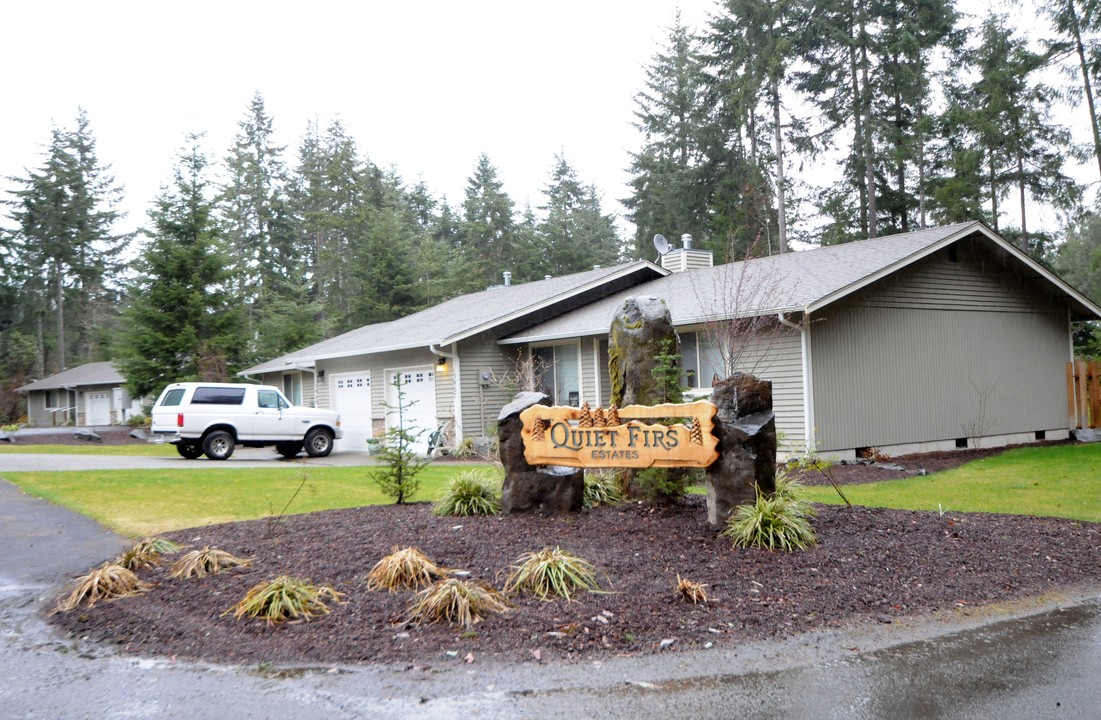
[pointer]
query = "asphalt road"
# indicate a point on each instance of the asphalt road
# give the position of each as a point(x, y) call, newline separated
point(1040, 664)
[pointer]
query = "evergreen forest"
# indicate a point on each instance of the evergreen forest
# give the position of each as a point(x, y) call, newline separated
point(778, 125)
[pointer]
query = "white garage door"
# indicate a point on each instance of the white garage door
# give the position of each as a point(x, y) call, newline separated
point(351, 397)
point(97, 408)
point(419, 407)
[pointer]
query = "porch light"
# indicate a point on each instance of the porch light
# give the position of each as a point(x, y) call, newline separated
point(441, 364)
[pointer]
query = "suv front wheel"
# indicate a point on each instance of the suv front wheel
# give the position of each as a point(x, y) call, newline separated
point(319, 442)
point(218, 445)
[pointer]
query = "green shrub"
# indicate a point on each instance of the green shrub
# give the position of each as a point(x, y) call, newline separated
point(138, 420)
point(551, 573)
point(471, 492)
point(778, 521)
point(601, 488)
point(665, 485)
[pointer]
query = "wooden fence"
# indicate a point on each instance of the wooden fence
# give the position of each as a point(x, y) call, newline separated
point(1084, 394)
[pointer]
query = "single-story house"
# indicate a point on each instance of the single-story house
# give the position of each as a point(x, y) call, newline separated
point(91, 394)
point(920, 341)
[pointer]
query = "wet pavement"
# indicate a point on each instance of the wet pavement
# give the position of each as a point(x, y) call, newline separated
point(1039, 665)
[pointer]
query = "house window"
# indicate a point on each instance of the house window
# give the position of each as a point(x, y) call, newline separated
point(701, 360)
point(559, 375)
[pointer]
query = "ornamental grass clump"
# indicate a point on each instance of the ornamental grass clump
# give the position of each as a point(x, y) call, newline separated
point(695, 592)
point(601, 488)
point(285, 598)
point(209, 560)
point(471, 492)
point(458, 602)
point(107, 582)
point(404, 569)
point(147, 553)
point(777, 521)
point(551, 573)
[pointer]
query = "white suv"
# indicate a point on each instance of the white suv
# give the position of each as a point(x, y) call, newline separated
point(213, 418)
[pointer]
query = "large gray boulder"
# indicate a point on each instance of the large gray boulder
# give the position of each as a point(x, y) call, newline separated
point(638, 329)
point(746, 428)
point(530, 488)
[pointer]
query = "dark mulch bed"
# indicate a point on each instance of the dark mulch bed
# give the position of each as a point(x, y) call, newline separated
point(869, 566)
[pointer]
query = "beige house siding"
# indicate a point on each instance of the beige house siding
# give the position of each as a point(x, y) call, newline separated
point(482, 399)
point(779, 359)
point(951, 348)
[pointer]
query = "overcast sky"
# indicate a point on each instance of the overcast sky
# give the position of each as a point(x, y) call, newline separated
point(422, 86)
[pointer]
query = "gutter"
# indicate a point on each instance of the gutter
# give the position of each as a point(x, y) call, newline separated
point(808, 390)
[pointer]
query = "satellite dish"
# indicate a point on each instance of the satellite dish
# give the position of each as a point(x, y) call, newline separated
point(661, 244)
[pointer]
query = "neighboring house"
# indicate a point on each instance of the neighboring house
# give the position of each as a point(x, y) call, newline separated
point(922, 341)
point(92, 394)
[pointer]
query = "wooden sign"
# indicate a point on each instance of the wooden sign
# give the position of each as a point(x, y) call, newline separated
point(616, 437)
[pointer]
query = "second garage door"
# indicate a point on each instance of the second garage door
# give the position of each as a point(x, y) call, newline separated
point(419, 408)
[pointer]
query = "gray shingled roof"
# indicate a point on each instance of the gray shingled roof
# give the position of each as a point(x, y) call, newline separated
point(459, 317)
point(794, 282)
point(97, 373)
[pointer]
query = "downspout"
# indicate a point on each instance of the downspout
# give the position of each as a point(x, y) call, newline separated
point(808, 394)
point(458, 388)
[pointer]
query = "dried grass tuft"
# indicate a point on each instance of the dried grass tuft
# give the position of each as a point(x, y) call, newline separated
point(209, 560)
point(107, 582)
point(404, 569)
point(551, 573)
point(285, 598)
point(694, 591)
point(458, 602)
point(147, 553)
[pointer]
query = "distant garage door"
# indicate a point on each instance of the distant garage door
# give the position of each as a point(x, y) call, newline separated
point(351, 396)
point(419, 406)
point(97, 408)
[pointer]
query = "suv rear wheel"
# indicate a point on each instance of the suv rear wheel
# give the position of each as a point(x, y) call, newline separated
point(319, 442)
point(218, 445)
point(189, 450)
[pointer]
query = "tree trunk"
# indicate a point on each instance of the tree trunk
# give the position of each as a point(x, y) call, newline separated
point(61, 361)
point(858, 142)
point(869, 148)
point(781, 204)
point(1087, 86)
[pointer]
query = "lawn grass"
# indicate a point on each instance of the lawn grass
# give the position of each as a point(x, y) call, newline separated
point(132, 450)
point(145, 502)
point(1055, 481)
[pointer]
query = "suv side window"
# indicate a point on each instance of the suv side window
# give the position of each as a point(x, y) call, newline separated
point(268, 399)
point(218, 396)
point(173, 397)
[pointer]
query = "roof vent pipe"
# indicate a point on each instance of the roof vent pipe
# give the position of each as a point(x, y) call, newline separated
point(546, 277)
point(596, 267)
point(686, 240)
point(508, 278)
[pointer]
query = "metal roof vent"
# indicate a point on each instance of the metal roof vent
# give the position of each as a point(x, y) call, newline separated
point(508, 278)
point(686, 240)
